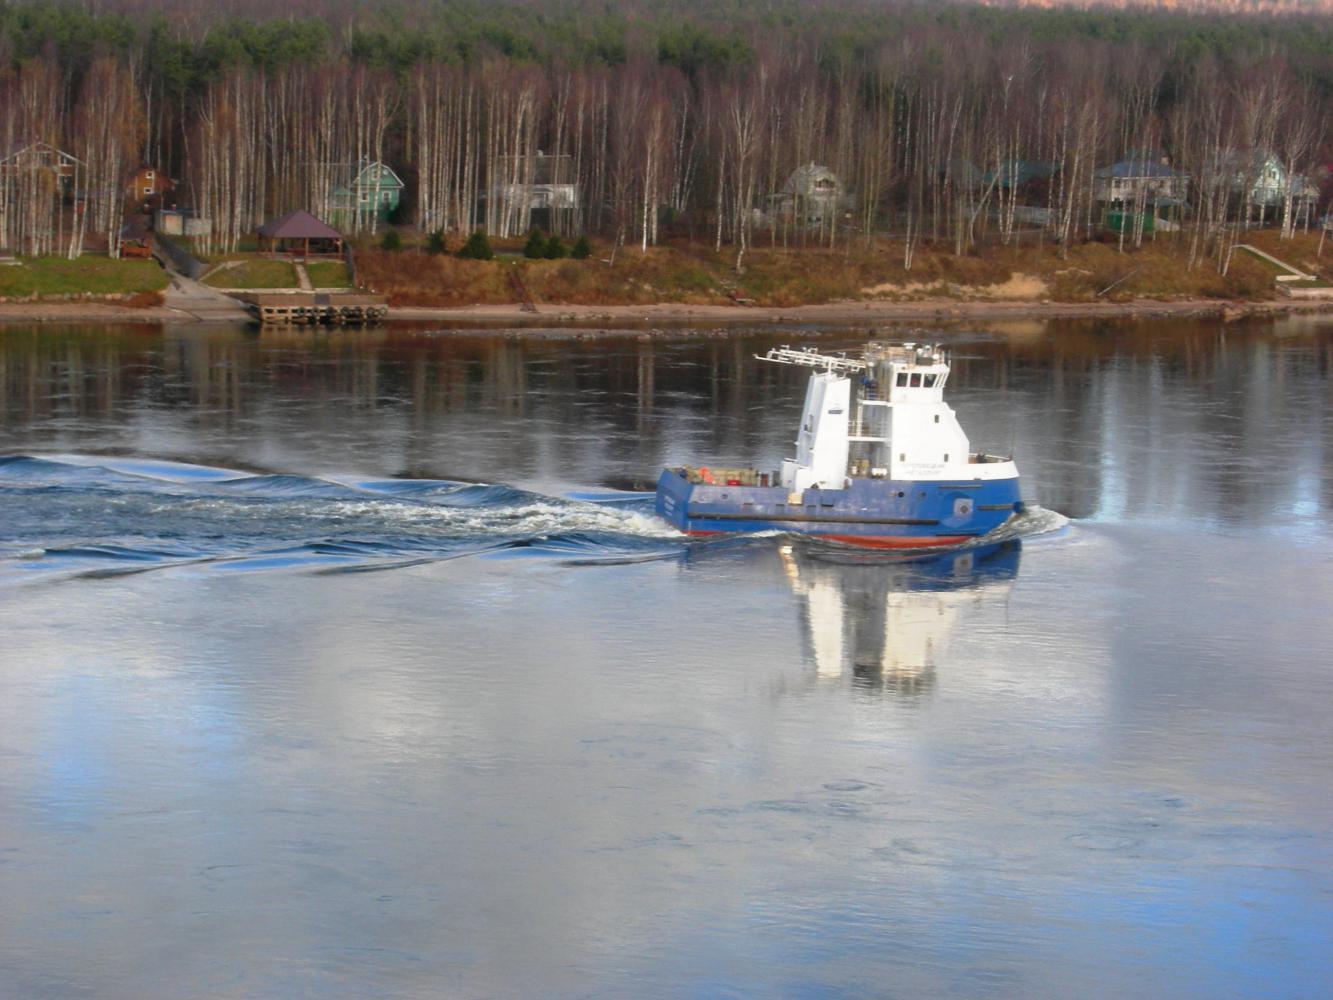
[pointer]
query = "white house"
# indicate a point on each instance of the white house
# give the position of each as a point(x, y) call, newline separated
point(812, 195)
point(1266, 179)
point(1150, 180)
point(535, 190)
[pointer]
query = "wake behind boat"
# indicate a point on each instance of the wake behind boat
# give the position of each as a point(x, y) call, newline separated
point(888, 466)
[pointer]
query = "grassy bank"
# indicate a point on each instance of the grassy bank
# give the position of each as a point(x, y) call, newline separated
point(254, 273)
point(328, 274)
point(138, 282)
point(691, 274)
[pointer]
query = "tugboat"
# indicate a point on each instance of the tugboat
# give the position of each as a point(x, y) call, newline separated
point(886, 467)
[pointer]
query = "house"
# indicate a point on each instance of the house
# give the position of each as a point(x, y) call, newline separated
point(1262, 174)
point(39, 155)
point(299, 232)
point(147, 183)
point(962, 173)
point(363, 191)
point(1267, 181)
point(1015, 174)
point(812, 195)
point(1146, 179)
point(535, 191)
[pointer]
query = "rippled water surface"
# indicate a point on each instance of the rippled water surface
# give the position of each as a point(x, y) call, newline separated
point(356, 665)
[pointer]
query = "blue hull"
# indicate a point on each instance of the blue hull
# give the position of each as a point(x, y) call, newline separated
point(883, 513)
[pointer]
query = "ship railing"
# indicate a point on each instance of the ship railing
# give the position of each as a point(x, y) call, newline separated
point(836, 363)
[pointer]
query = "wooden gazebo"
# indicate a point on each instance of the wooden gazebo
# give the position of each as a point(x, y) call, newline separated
point(299, 232)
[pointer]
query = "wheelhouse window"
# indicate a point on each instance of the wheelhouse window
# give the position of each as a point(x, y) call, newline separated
point(902, 379)
point(916, 380)
point(928, 381)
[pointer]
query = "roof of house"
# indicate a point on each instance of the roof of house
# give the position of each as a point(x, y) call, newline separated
point(23, 145)
point(349, 175)
point(805, 177)
point(1016, 173)
point(1138, 168)
point(540, 169)
point(298, 225)
point(1253, 161)
point(965, 172)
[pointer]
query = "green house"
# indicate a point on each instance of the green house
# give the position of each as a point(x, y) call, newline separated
point(363, 193)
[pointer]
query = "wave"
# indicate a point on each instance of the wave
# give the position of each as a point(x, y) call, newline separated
point(85, 516)
point(96, 516)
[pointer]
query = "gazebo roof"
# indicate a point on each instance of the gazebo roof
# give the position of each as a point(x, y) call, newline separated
point(298, 225)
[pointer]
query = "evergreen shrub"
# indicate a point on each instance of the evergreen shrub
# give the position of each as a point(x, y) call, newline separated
point(535, 247)
point(477, 247)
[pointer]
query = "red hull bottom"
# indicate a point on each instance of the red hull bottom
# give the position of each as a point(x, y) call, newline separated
point(869, 541)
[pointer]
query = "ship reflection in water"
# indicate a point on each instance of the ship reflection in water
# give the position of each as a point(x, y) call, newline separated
point(887, 620)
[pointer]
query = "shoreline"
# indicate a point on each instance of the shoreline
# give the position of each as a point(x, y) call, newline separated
point(592, 318)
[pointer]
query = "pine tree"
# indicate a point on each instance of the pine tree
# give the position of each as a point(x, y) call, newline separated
point(555, 249)
point(582, 249)
point(536, 245)
point(391, 241)
point(477, 247)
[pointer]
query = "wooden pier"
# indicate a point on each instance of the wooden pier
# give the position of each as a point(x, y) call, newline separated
point(315, 308)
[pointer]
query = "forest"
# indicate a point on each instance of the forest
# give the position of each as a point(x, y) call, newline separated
point(742, 122)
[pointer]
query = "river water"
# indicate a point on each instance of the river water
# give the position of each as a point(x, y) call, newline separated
point(355, 664)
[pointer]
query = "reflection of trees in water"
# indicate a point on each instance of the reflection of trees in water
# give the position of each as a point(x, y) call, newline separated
point(887, 621)
point(1180, 418)
point(1118, 418)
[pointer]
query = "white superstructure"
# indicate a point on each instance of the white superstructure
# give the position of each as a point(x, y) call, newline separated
point(897, 426)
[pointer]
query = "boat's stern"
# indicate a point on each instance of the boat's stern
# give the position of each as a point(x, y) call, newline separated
point(673, 497)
